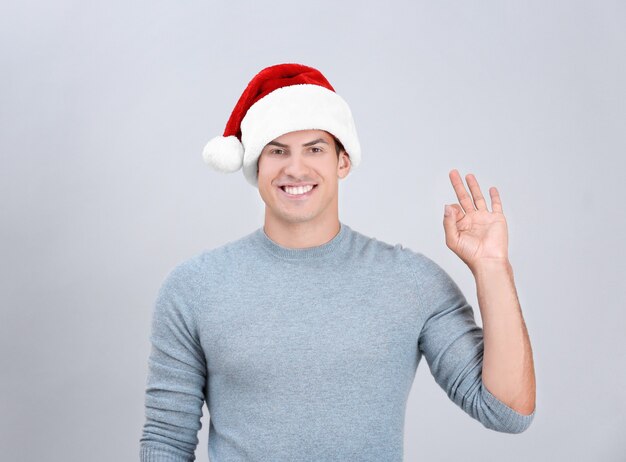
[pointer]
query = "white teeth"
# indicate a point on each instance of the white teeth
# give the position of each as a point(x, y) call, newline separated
point(298, 190)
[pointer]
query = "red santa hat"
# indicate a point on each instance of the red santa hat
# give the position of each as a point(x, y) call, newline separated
point(280, 99)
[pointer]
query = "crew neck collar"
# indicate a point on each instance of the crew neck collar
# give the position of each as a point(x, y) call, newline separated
point(319, 251)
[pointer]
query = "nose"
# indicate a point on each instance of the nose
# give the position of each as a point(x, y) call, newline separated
point(296, 166)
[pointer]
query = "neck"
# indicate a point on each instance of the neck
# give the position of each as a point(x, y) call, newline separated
point(299, 235)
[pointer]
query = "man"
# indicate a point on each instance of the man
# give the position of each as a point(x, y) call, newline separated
point(304, 336)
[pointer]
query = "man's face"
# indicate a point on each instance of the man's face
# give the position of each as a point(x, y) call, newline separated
point(301, 159)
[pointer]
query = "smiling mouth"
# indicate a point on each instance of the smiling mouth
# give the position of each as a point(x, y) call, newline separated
point(300, 191)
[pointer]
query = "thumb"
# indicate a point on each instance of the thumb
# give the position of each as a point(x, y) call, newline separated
point(449, 221)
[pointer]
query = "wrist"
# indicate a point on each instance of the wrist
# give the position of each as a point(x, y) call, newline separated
point(491, 265)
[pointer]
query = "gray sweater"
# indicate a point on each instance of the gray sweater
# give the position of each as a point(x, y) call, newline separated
point(307, 354)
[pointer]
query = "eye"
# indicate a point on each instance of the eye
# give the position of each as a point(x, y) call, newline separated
point(316, 149)
point(276, 151)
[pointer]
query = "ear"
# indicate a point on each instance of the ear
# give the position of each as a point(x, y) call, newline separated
point(343, 165)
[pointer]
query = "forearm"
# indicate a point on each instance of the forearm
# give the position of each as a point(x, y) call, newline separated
point(508, 369)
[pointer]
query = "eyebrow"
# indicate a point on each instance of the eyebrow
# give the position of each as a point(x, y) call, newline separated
point(310, 143)
point(276, 143)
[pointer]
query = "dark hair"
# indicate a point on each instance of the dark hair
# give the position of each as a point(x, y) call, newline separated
point(338, 145)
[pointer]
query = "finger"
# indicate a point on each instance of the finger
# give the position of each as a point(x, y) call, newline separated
point(461, 192)
point(459, 211)
point(496, 203)
point(479, 200)
point(449, 225)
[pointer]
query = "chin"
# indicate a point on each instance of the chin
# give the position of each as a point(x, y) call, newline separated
point(297, 218)
point(291, 217)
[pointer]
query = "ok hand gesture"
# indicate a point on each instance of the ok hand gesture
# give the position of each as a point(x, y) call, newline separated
point(472, 232)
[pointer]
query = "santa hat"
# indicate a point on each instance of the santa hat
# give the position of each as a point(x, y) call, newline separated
point(278, 100)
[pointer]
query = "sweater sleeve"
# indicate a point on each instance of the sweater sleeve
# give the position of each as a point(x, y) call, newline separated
point(452, 344)
point(176, 381)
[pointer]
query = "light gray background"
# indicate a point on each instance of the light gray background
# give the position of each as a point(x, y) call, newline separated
point(105, 108)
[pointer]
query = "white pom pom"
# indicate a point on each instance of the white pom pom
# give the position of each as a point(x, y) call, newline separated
point(224, 154)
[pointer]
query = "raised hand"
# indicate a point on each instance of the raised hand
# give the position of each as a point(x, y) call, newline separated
point(472, 232)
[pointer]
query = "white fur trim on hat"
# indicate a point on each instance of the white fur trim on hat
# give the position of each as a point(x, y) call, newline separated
point(292, 108)
point(224, 154)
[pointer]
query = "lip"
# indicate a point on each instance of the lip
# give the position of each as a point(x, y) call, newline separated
point(298, 197)
point(295, 185)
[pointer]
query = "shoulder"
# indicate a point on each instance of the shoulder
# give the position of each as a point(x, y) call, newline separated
point(207, 266)
point(399, 257)
point(397, 253)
